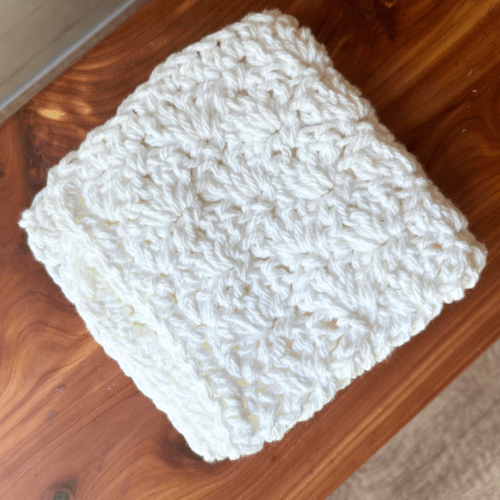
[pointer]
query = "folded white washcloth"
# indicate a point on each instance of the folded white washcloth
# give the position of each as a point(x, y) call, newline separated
point(244, 238)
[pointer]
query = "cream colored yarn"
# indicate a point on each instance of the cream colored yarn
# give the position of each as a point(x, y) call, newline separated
point(244, 238)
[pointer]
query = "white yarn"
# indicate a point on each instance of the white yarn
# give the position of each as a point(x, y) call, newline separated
point(245, 238)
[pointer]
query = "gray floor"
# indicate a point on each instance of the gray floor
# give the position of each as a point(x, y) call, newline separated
point(449, 451)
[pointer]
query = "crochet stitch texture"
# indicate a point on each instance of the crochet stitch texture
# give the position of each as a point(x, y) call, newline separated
point(244, 238)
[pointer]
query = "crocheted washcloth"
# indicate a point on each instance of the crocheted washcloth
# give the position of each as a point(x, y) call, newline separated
point(244, 238)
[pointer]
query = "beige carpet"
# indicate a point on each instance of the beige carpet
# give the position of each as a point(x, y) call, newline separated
point(449, 451)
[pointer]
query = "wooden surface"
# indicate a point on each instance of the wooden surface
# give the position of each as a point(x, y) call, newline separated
point(41, 38)
point(449, 451)
point(69, 418)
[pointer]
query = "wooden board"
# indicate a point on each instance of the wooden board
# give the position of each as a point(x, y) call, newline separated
point(41, 38)
point(449, 451)
point(71, 421)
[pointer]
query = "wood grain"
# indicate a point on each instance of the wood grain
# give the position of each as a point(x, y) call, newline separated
point(41, 38)
point(450, 450)
point(69, 417)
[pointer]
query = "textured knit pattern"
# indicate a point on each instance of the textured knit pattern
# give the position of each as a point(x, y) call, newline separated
point(245, 238)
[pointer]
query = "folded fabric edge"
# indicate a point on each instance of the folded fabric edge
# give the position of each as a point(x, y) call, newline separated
point(159, 369)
